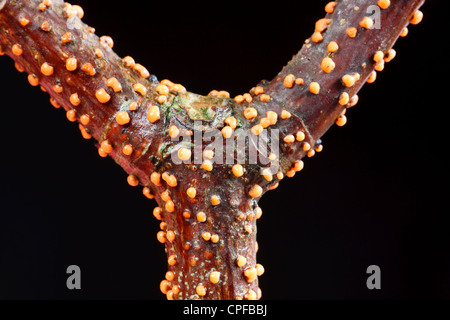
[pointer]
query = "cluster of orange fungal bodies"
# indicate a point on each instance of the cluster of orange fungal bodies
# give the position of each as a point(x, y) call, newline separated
point(113, 85)
point(102, 94)
point(212, 278)
point(327, 64)
point(261, 122)
point(171, 286)
point(46, 68)
point(255, 92)
point(219, 94)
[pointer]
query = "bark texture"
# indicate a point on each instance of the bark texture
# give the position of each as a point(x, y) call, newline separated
point(210, 236)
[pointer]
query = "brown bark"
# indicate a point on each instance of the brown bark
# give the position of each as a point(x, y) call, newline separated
point(191, 255)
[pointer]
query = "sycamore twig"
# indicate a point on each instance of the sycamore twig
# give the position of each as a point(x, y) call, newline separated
point(161, 135)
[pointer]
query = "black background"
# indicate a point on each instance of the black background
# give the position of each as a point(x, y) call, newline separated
point(377, 194)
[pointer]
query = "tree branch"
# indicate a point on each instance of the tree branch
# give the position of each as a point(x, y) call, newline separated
point(208, 210)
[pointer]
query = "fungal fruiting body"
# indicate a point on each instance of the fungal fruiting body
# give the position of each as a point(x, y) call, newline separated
point(209, 230)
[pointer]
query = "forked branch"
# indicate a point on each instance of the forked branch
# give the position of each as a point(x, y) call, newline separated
point(183, 148)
